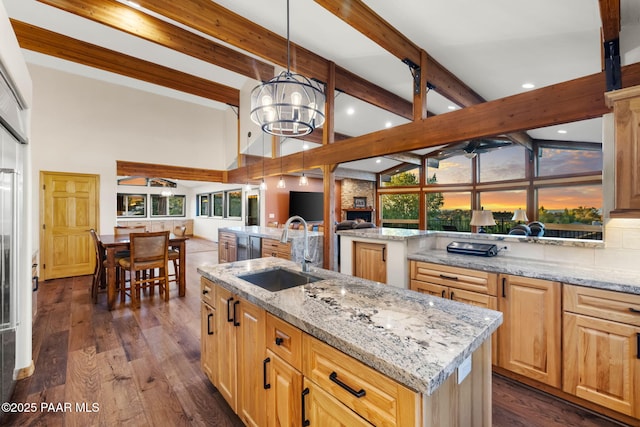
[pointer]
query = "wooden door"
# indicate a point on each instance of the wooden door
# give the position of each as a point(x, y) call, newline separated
point(226, 347)
point(208, 342)
point(370, 261)
point(322, 409)
point(251, 342)
point(601, 362)
point(283, 395)
point(529, 337)
point(69, 208)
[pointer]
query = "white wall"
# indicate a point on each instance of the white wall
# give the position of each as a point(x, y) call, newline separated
point(82, 125)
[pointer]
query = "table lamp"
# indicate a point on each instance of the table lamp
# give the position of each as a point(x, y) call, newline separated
point(481, 219)
point(520, 215)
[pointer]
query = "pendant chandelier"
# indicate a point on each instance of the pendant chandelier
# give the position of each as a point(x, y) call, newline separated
point(288, 104)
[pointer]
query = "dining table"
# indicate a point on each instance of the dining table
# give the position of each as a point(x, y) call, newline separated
point(111, 244)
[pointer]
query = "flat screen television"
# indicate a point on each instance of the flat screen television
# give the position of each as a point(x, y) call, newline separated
point(307, 204)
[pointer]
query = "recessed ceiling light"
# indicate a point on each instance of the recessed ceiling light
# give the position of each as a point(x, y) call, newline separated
point(387, 125)
point(350, 111)
point(562, 131)
point(378, 160)
point(452, 107)
point(528, 85)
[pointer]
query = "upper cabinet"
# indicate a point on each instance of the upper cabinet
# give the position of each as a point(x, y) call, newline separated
point(626, 109)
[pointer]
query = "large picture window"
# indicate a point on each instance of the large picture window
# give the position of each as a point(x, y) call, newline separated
point(400, 210)
point(234, 204)
point(452, 170)
point(167, 205)
point(449, 211)
point(131, 205)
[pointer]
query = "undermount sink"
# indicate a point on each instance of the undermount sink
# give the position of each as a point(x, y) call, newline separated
point(279, 279)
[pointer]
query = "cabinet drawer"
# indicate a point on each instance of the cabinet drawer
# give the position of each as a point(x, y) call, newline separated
point(609, 305)
point(207, 291)
point(274, 248)
point(285, 340)
point(375, 397)
point(226, 237)
point(461, 278)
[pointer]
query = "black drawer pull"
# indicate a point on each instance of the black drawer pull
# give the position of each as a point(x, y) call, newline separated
point(444, 276)
point(235, 322)
point(452, 295)
point(334, 377)
point(229, 318)
point(205, 291)
point(305, 421)
point(209, 331)
point(504, 294)
point(279, 341)
point(443, 292)
point(638, 346)
point(264, 373)
point(634, 310)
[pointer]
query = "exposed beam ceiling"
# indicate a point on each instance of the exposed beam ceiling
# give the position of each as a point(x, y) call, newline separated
point(610, 15)
point(50, 43)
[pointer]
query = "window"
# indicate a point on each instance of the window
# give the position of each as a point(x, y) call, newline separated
point(452, 170)
point(449, 211)
point(203, 204)
point(400, 210)
point(401, 178)
point(503, 204)
point(571, 211)
point(234, 204)
point(559, 161)
point(167, 205)
point(218, 204)
point(131, 205)
point(502, 164)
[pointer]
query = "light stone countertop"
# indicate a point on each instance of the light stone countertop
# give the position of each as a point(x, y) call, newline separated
point(418, 340)
point(383, 233)
point(613, 280)
point(269, 232)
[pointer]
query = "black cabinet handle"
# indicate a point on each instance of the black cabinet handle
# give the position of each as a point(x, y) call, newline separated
point(634, 310)
point(264, 373)
point(235, 321)
point(451, 296)
point(444, 276)
point(443, 292)
point(334, 377)
point(638, 345)
point(279, 341)
point(305, 421)
point(504, 293)
point(229, 318)
point(209, 331)
point(205, 291)
point(384, 254)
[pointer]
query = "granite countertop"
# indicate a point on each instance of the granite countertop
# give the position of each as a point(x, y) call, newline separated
point(382, 233)
point(269, 232)
point(614, 280)
point(416, 339)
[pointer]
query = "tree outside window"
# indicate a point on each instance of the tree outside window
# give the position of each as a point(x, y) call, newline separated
point(401, 210)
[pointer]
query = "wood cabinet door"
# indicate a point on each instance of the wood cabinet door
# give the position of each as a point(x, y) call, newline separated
point(430, 288)
point(226, 347)
point(321, 409)
point(529, 339)
point(601, 362)
point(208, 342)
point(227, 247)
point(370, 261)
point(251, 351)
point(284, 394)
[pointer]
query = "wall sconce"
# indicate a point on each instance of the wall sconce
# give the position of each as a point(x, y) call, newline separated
point(482, 219)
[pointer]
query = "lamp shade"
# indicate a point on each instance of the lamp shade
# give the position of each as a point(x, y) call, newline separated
point(520, 215)
point(482, 218)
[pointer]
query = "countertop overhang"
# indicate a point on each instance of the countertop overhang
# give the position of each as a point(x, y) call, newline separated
point(418, 340)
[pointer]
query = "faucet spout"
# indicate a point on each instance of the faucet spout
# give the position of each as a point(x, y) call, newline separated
point(306, 259)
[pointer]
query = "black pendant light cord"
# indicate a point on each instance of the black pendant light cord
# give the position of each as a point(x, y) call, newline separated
point(288, 43)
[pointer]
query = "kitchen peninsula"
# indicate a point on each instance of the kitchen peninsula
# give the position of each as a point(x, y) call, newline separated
point(352, 349)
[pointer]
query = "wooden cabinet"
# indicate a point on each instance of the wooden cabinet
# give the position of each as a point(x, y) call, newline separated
point(370, 261)
point(626, 109)
point(240, 353)
point(320, 408)
point(601, 356)
point(459, 284)
point(208, 336)
point(187, 223)
point(274, 248)
point(370, 394)
point(227, 247)
point(529, 338)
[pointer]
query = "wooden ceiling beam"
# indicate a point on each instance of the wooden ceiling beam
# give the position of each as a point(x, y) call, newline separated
point(149, 170)
point(610, 15)
point(570, 101)
point(214, 20)
point(49, 43)
point(132, 21)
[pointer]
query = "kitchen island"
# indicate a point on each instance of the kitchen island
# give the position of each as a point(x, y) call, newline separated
point(433, 354)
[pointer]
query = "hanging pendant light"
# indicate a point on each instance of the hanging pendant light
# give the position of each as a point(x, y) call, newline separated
point(303, 179)
point(281, 183)
point(288, 104)
point(263, 185)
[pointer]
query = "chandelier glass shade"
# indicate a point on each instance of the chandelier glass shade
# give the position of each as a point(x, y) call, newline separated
point(289, 104)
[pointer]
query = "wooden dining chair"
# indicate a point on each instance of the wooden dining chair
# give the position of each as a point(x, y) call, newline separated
point(99, 273)
point(174, 255)
point(149, 251)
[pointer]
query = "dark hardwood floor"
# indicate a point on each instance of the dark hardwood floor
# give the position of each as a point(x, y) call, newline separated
point(142, 367)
